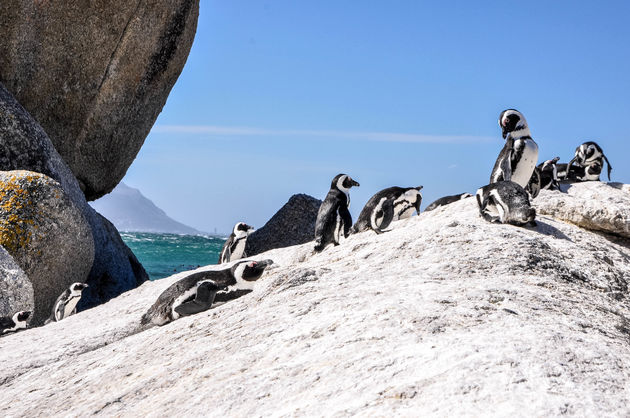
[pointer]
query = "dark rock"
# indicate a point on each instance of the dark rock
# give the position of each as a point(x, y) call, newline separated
point(95, 75)
point(46, 234)
point(16, 291)
point(293, 224)
point(25, 146)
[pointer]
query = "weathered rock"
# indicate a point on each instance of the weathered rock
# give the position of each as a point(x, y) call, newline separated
point(95, 75)
point(25, 146)
point(293, 224)
point(593, 205)
point(445, 315)
point(16, 291)
point(46, 235)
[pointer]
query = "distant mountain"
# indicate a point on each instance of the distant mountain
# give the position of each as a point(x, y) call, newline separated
point(129, 210)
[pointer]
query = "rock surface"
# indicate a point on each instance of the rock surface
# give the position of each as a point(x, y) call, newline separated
point(446, 315)
point(293, 224)
point(16, 291)
point(95, 75)
point(46, 235)
point(25, 146)
point(594, 205)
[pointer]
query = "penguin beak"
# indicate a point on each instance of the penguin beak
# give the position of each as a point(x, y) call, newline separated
point(355, 183)
point(265, 263)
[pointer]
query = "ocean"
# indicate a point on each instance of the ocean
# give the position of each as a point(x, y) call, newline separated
point(165, 254)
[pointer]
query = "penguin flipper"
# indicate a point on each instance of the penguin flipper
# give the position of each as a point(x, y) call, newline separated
point(206, 293)
point(346, 218)
point(609, 166)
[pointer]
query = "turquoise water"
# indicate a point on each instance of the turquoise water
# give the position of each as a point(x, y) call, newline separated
point(165, 254)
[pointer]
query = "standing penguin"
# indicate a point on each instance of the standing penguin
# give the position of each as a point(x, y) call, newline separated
point(446, 200)
point(333, 217)
point(66, 303)
point(590, 157)
point(15, 323)
point(519, 155)
point(200, 291)
point(505, 202)
point(234, 247)
point(386, 206)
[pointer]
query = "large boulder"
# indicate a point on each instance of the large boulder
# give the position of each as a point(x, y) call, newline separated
point(46, 234)
point(445, 315)
point(95, 74)
point(293, 224)
point(16, 291)
point(593, 205)
point(25, 146)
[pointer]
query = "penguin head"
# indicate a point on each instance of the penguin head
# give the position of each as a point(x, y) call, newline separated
point(414, 197)
point(343, 182)
point(241, 229)
point(77, 288)
point(587, 153)
point(249, 271)
point(549, 165)
point(21, 317)
point(511, 120)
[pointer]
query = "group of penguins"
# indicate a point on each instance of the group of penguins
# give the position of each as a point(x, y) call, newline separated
point(515, 179)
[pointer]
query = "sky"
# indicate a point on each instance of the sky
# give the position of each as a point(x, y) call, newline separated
point(278, 97)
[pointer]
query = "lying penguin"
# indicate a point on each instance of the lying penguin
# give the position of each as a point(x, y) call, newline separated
point(388, 205)
point(447, 200)
point(66, 303)
point(586, 165)
point(14, 323)
point(505, 202)
point(333, 217)
point(201, 291)
point(234, 247)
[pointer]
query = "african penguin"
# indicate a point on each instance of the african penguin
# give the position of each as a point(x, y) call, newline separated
point(234, 247)
point(15, 323)
point(533, 185)
point(66, 303)
point(549, 174)
point(203, 290)
point(519, 155)
point(505, 202)
point(388, 205)
point(447, 200)
point(333, 217)
point(590, 157)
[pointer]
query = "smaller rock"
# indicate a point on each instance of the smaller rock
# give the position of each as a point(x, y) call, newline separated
point(16, 291)
point(46, 234)
point(293, 224)
point(594, 205)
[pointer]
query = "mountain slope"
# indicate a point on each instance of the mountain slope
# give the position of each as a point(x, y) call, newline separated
point(129, 210)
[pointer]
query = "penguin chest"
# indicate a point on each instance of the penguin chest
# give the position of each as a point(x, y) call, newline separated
point(69, 307)
point(238, 250)
point(337, 227)
point(524, 161)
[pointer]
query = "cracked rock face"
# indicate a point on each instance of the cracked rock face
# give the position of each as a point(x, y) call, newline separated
point(445, 315)
point(46, 234)
point(95, 75)
point(16, 291)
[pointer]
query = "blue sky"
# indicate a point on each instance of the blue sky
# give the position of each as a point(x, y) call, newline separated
point(277, 98)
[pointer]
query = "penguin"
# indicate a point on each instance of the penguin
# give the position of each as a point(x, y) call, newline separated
point(518, 157)
point(447, 200)
point(66, 303)
point(590, 157)
point(333, 217)
point(534, 184)
point(388, 205)
point(203, 290)
point(505, 202)
point(234, 247)
point(549, 174)
point(15, 323)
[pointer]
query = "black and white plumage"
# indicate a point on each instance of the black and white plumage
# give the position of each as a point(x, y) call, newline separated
point(333, 217)
point(66, 303)
point(587, 164)
point(234, 247)
point(446, 200)
point(505, 202)
point(203, 290)
point(517, 159)
point(548, 172)
point(388, 205)
point(14, 323)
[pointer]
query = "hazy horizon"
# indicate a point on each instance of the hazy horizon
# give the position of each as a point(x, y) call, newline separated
point(276, 99)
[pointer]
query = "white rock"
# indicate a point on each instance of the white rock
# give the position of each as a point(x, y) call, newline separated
point(445, 315)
